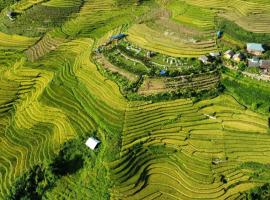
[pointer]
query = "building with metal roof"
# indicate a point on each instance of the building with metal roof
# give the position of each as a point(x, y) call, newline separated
point(204, 59)
point(265, 65)
point(238, 57)
point(214, 54)
point(92, 143)
point(254, 62)
point(229, 54)
point(255, 48)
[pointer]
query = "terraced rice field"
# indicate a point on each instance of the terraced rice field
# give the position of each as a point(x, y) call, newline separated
point(42, 47)
point(172, 150)
point(154, 40)
point(192, 15)
point(15, 41)
point(252, 15)
point(38, 114)
point(104, 15)
point(200, 82)
point(25, 4)
point(12, 47)
point(62, 3)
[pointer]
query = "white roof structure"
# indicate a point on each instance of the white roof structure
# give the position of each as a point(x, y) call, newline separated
point(214, 54)
point(255, 47)
point(211, 117)
point(92, 143)
point(204, 59)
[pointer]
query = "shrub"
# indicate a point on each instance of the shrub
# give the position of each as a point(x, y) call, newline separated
point(239, 33)
point(259, 193)
point(241, 66)
point(33, 184)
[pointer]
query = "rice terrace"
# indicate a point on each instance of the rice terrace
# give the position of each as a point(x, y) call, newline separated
point(135, 99)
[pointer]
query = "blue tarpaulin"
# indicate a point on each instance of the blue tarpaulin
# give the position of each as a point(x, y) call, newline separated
point(118, 37)
point(162, 72)
point(219, 34)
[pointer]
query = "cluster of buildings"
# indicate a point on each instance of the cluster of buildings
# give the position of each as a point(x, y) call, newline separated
point(257, 50)
point(254, 49)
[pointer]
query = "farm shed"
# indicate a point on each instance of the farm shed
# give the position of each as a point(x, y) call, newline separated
point(238, 57)
point(215, 54)
point(265, 65)
point(254, 62)
point(229, 54)
point(204, 59)
point(255, 48)
point(150, 54)
point(92, 143)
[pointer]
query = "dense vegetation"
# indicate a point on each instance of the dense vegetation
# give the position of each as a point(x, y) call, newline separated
point(41, 178)
point(259, 193)
point(37, 20)
point(241, 34)
point(5, 3)
point(251, 93)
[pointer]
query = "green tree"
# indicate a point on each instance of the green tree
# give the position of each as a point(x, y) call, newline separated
point(241, 66)
point(259, 193)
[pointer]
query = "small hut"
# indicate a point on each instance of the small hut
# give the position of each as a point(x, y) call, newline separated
point(204, 59)
point(92, 143)
point(265, 66)
point(150, 54)
point(219, 34)
point(229, 54)
point(214, 54)
point(254, 62)
point(238, 57)
point(11, 15)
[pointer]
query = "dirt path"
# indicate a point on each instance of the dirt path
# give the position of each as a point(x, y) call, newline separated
point(261, 77)
point(107, 65)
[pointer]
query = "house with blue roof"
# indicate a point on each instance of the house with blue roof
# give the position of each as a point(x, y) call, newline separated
point(118, 36)
point(255, 48)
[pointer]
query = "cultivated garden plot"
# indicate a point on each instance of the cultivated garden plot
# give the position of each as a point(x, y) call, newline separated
point(194, 154)
point(159, 73)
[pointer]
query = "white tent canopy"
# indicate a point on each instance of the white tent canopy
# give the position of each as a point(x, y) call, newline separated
point(92, 143)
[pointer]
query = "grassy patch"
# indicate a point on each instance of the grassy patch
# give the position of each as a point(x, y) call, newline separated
point(251, 93)
point(37, 20)
point(240, 34)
